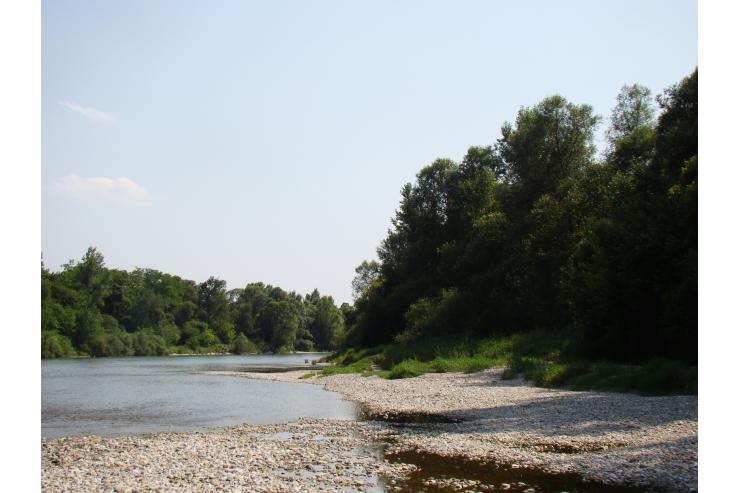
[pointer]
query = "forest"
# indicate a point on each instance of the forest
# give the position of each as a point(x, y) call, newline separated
point(536, 233)
point(540, 232)
point(90, 310)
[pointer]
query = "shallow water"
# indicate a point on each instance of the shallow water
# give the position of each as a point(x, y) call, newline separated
point(434, 469)
point(112, 396)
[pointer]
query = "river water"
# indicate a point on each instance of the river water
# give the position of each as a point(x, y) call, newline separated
point(131, 396)
point(112, 396)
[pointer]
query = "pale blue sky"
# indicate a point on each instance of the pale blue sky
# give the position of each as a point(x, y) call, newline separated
point(268, 141)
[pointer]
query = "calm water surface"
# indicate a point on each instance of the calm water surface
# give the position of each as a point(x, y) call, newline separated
point(110, 396)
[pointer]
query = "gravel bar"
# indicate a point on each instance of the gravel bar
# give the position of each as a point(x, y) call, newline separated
point(305, 456)
point(610, 438)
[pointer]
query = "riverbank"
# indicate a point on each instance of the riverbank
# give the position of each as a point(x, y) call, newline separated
point(306, 456)
point(435, 431)
point(611, 438)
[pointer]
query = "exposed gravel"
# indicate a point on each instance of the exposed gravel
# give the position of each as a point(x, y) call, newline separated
point(310, 455)
point(606, 437)
point(612, 438)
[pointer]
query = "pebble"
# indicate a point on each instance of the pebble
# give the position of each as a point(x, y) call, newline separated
point(605, 437)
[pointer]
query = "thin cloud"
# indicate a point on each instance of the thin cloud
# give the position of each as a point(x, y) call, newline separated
point(119, 189)
point(93, 114)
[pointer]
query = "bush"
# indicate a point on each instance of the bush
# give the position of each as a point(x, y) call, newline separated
point(55, 345)
point(552, 375)
point(408, 369)
point(465, 364)
point(660, 374)
point(654, 377)
point(169, 332)
point(208, 338)
point(119, 344)
point(363, 365)
point(304, 345)
point(242, 345)
point(148, 344)
point(226, 333)
point(546, 358)
point(431, 316)
point(191, 332)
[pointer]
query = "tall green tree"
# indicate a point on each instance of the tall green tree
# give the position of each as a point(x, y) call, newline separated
point(213, 306)
point(548, 142)
point(278, 322)
point(631, 134)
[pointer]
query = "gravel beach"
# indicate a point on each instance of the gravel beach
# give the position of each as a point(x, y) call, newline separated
point(308, 455)
point(609, 438)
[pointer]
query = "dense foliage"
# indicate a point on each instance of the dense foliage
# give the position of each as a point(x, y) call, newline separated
point(88, 309)
point(533, 233)
point(537, 232)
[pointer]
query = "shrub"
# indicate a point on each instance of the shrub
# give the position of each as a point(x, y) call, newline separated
point(407, 369)
point(242, 345)
point(431, 316)
point(226, 332)
point(55, 345)
point(169, 332)
point(191, 333)
point(208, 338)
point(148, 344)
point(304, 345)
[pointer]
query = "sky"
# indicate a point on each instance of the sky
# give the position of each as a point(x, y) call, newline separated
point(269, 141)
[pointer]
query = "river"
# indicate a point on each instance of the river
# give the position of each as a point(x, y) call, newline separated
point(135, 395)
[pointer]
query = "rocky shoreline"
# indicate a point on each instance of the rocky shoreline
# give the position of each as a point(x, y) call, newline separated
point(494, 429)
point(308, 455)
point(609, 438)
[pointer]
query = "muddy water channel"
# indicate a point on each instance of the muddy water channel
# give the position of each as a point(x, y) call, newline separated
point(453, 474)
point(438, 473)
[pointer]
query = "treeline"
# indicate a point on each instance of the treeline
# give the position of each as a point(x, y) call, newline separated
point(90, 310)
point(538, 232)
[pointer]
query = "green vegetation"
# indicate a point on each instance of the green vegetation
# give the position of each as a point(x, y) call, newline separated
point(90, 310)
point(545, 357)
point(535, 234)
point(532, 253)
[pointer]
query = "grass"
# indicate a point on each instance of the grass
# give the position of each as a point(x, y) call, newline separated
point(538, 356)
point(654, 377)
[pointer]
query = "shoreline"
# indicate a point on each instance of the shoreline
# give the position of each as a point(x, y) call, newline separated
point(87, 356)
point(609, 439)
point(324, 455)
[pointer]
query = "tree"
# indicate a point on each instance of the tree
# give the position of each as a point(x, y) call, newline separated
point(365, 274)
point(54, 345)
point(278, 323)
point(170, 333)
point(326, 323)
point(90, 277)
point(213, 303)
point(632, 282)
point(191, 333)
point(631, 135)
point(547, 143)
point(533, 233)
point(242, 345)
point(634, 109)
point(248, 306)
point(678, 126)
